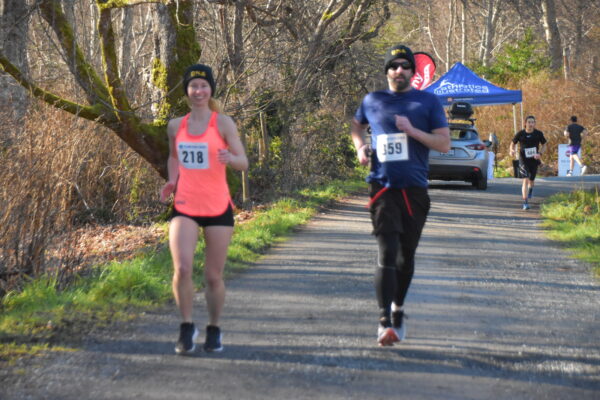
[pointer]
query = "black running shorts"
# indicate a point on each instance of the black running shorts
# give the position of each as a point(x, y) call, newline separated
point(398, 210)
point(225, 219)
point(528, 168)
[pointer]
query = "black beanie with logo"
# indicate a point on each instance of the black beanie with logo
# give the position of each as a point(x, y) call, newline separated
point(199, 71)
point(399, 51)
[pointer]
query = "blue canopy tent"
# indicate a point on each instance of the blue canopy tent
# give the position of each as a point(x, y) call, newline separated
point(462, 84)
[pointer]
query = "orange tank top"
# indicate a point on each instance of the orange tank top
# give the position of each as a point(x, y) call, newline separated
point(202, 189)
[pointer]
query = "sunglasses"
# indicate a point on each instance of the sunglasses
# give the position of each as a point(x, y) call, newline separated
point(403, 64)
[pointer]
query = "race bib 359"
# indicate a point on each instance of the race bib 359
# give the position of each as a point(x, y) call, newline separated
point(392, 147)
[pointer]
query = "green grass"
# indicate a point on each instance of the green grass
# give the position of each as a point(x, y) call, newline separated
point(503, 168)
point(574, 220)
point(40, 312)
point(10, 352)
point(503, 172)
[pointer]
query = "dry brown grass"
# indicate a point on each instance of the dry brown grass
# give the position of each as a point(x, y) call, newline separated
point(552, 101)
point(61, 173)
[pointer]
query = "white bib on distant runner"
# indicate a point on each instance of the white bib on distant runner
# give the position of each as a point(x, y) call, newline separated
point(530, 152)
point(193, 155)
point(392, 147)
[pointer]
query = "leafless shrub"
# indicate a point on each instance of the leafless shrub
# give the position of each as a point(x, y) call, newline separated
point(60, 173)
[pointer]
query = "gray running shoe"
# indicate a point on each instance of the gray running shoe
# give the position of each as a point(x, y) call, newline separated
point(187, 335)
point(569, 173)
point(526, 206)
point(583, 170)
point(213, 339)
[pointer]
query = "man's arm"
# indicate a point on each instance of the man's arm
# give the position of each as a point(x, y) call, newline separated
point(513, 149)
point(513, 146)
point(541, 151)
point(438, 140)
point(357, 130)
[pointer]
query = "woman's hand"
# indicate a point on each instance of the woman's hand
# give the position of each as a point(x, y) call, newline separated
point(224, 156)
point(167, 190)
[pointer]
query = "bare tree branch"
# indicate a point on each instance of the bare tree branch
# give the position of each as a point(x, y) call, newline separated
point(87, 112)
point(109, 56)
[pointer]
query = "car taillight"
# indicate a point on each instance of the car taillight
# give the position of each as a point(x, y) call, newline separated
point(476, 146)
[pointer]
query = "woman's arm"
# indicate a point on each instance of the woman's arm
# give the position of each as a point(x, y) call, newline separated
point(234, 155)
point(172, 162)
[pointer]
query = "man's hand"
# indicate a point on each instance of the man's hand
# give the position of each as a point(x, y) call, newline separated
point(363, 154)
point(403, 124)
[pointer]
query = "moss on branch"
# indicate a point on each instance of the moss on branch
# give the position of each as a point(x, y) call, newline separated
point(93, 112)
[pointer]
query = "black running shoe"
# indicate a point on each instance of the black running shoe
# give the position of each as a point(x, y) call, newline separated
point(187, 335)
point(213, 339)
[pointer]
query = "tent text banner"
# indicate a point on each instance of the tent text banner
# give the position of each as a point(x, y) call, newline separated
point(462, 84)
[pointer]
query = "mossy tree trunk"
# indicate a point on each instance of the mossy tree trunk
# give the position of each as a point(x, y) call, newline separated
point(106, 97)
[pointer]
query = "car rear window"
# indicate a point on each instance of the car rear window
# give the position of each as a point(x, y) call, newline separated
point(463, 134)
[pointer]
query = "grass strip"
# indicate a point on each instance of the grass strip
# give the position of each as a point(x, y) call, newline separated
point(573, 219)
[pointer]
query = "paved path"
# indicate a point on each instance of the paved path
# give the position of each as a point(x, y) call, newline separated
point(495, 311)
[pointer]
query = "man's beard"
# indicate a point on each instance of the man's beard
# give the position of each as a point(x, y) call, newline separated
point(400, 85)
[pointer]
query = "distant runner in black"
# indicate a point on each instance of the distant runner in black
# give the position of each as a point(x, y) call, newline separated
point(532, 145)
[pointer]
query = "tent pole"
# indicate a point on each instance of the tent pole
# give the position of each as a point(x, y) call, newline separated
point(514, 118)
point(522, 113)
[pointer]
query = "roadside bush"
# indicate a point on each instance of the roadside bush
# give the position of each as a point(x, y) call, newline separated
point(317, 149)
point(60, 173)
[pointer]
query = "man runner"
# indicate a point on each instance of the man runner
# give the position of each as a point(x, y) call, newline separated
point(530, 154)
point(405, 124)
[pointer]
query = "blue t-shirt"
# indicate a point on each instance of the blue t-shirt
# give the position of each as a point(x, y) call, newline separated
point(425, 112)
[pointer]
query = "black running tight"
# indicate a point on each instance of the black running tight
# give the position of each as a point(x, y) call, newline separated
point(396, 266)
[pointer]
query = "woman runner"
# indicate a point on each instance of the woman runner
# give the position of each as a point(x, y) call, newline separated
point(201, 145)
